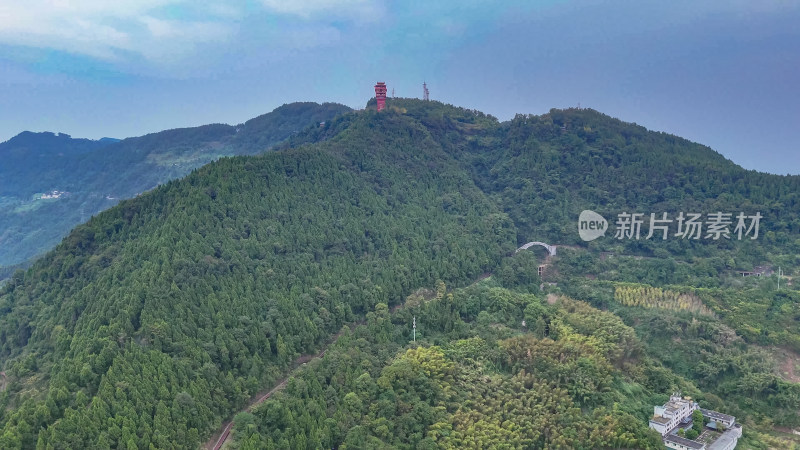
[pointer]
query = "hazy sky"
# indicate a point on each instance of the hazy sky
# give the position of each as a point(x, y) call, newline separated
point(722, 73)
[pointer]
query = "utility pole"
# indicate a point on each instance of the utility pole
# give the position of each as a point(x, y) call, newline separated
point(415, 328)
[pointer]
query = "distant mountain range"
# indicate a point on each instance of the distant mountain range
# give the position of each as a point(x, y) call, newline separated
point(51, 182)
point(155, 321)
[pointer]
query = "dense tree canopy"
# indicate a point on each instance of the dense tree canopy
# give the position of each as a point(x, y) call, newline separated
point(95, 175)
point(158, 319)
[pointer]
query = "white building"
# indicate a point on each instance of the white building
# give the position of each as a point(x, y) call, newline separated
point(728, 439)
point(676, 410)
point(713, 416)
point(677, 414)
point(679, 443)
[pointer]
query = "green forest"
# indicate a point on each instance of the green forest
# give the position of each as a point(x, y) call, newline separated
point(159, 319)
point(494, 367)
point(475, 378)
point(96, 175)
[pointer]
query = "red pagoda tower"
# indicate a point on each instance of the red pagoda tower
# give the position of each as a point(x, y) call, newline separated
point(380, 94)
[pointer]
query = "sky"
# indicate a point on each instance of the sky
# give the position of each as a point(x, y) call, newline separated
point(722, 73)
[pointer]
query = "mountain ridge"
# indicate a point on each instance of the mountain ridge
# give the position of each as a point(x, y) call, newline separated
point(99, 173)
point(159, 317)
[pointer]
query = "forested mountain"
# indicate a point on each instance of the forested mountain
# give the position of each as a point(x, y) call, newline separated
point(91, 176)
point(30, 159)
point(161, 317)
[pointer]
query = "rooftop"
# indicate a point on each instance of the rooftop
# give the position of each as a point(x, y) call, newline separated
point(726, 439)
point(716, 415)
point(676, 404)
point(686, 442)
point(723, 441)
point(661, 420)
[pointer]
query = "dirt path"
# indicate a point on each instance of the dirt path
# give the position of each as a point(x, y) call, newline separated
point(218, 440)
point(220, 437)
point(789, 364)
point(483, 276)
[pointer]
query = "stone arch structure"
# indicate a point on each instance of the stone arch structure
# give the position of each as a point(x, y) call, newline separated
point(551, 249)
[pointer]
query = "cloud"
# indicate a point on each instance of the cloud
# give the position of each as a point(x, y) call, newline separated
point(356, 10)
point(173, 39)
point(111, 30)
point(304, 38)
point(178, 38)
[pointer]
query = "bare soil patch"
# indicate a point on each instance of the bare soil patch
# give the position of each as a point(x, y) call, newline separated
point(788, 364)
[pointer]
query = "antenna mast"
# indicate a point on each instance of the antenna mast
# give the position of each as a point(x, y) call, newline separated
point(425, 93)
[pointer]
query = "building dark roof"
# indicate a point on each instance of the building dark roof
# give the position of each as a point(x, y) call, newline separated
point(716, 415)
point(688, 443)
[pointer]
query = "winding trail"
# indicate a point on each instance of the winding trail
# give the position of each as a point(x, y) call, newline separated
point(220, 437)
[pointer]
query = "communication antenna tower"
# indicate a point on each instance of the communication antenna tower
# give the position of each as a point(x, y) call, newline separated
point(425, 93)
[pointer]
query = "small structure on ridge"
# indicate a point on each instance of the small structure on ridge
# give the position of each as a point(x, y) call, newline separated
point(380, 94)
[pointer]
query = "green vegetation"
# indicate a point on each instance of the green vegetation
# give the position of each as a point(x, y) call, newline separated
point(210, 286)
point(654, 297)
point(160, 318)
point(476, 379)
point(97, 174)
point(698, 422)
point(546, 169)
